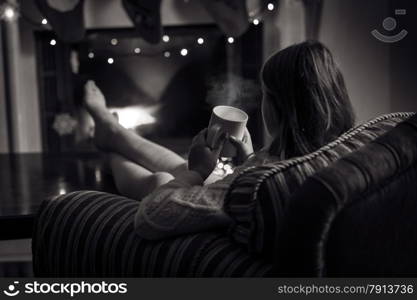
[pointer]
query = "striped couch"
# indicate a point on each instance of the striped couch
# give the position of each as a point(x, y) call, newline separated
point(90, 234)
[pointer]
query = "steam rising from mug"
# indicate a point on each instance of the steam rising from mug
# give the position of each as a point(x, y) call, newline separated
point(233, 90)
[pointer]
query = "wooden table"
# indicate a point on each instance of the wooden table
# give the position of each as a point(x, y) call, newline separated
point(27, 179)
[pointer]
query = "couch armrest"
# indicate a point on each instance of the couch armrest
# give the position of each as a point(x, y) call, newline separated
point(91, 234)
point(73, 232)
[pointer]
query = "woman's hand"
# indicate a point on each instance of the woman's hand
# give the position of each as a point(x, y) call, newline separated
point(243, 147)
point(202, 158)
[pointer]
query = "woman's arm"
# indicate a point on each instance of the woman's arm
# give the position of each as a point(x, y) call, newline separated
point(185, 205)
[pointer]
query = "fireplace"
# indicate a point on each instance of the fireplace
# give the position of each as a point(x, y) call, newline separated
point(164, 92)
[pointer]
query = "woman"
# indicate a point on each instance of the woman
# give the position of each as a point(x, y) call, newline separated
point(305, 106)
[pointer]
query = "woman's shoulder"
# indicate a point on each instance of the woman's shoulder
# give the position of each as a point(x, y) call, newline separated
point(262, 157)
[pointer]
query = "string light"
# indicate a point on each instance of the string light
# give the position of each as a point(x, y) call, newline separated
point(200, 41)
point(98, 174)
point(137, 50)
point(62, 191)
point(91, 55)
point(165, 38)
point(255, 22)
point(271, 6)
point(110, 61)
point(167, 54)
point(44, 21)
point(114, 42)
point(9, 13)
point(230, 40)
point(52, 42)
point(184, 52)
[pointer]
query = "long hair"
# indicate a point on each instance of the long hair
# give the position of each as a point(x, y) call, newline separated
point(309, 96)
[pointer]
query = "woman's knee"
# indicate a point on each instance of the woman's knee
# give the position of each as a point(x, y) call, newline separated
point(139, 187)
point(160, 178)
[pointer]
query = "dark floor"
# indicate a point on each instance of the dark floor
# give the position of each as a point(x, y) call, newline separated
point(16, 269)
point(25, 181)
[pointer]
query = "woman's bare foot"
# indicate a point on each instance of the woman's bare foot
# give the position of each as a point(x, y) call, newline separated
point(106, 125)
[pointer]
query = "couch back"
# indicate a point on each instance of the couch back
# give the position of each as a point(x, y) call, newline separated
point(376, 236)
point(259, 198)
point(357, 217)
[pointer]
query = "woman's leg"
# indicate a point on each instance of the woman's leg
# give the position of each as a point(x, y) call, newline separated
point(134, 181)
point(111, 136)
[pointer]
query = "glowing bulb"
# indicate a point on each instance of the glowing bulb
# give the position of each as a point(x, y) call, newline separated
point(165, 38)
point(62, 187)
point(229, 171)
point(227, 167)
point(9, 13)
point(230, 40)
point(52, 42)
point(184, 52)
point(44, 21)
point(91, 55)
point(110, 61)
point(114, 42)
point(271, 6)
point(200, 41)
point(167, 54)
point(97, 173)
point(137, 50)
point(255, 22)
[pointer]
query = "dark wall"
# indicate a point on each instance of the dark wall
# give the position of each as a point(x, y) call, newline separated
point(381, 77)
point(403, 60)
point(365, 62)
point(4, 145)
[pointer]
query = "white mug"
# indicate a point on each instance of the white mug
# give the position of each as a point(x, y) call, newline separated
point(230, 120)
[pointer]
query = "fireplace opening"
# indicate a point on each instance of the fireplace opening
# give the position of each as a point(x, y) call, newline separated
point(164, 92)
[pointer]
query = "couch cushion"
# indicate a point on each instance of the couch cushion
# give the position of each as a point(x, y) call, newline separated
point(258, 197)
